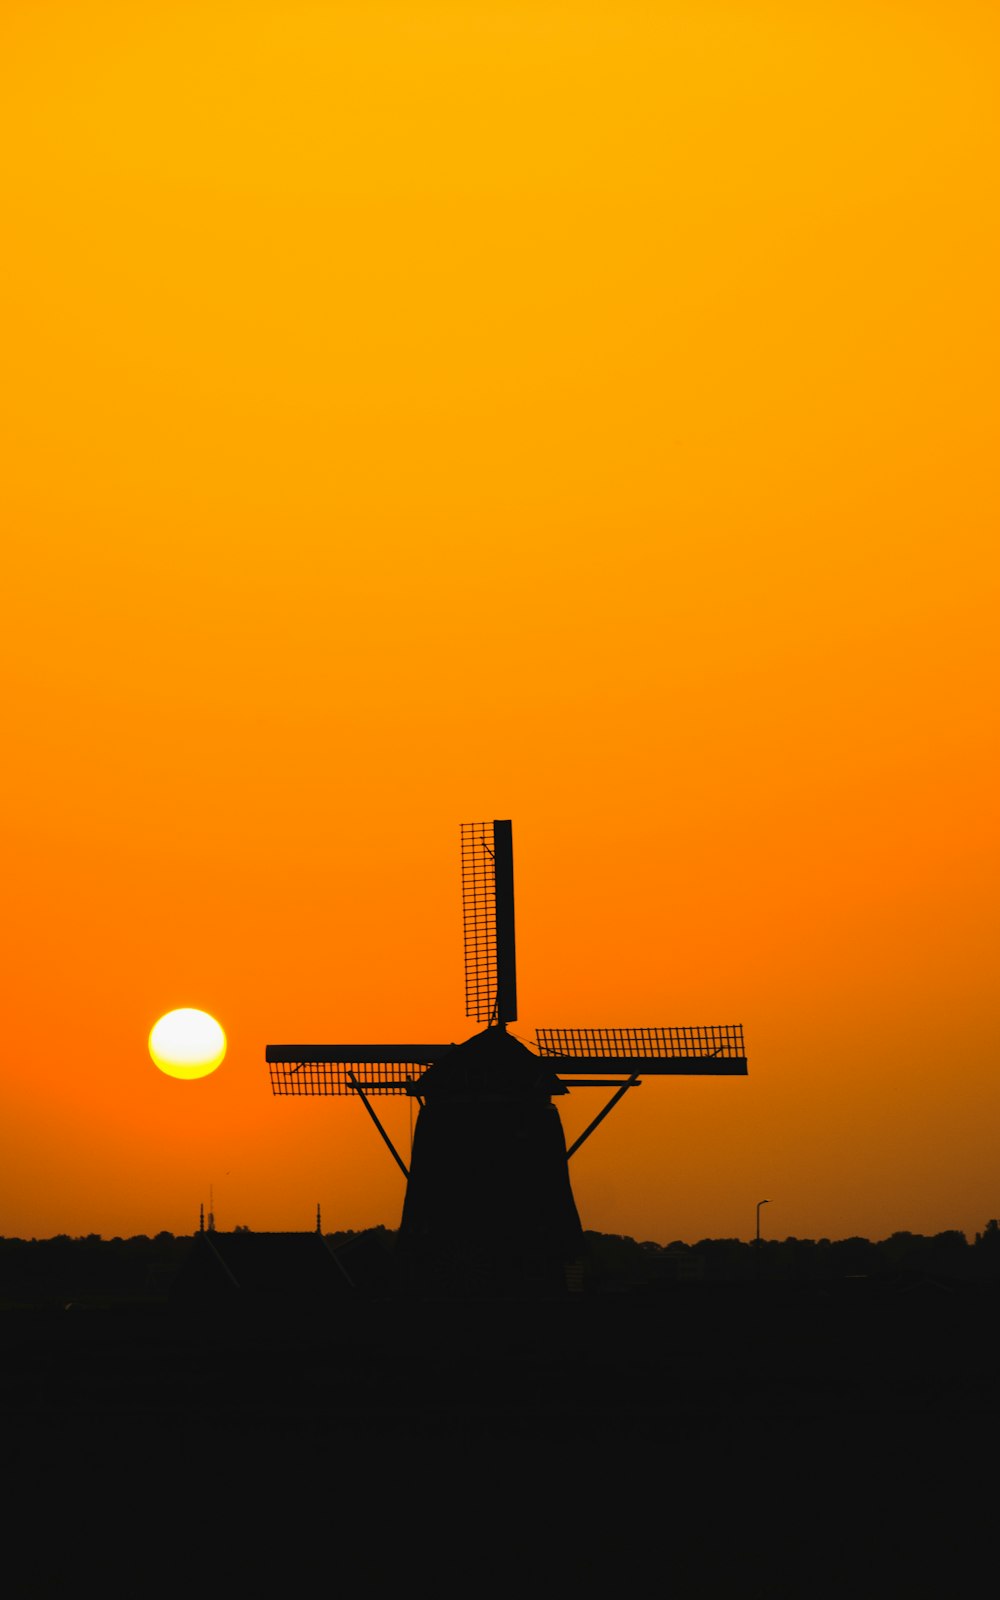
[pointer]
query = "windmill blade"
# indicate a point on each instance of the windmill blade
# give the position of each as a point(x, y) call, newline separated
point(301, 1069)
point(715, 1049)
point(503, 863)
point(488, 919)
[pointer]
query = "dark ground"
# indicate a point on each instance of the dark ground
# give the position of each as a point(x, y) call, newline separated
point(759, 1440)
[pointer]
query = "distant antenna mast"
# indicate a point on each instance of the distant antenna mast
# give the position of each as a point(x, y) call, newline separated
point(319, 1220)
point(211, 1209)
point(201, 1220)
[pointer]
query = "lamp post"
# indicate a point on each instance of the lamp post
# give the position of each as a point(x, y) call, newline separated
point(756, 1250)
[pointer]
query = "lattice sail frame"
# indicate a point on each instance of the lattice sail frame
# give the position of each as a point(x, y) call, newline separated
point(325, 1077)
point(298, 1069)
point(479, 916)
point(713, 1041)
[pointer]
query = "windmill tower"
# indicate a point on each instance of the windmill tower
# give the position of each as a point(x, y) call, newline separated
point(489, 1179)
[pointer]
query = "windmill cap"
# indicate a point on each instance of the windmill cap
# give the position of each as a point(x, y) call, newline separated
point(492, 1063)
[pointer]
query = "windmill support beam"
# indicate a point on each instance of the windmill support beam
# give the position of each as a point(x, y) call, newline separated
point(585, 1135)
point(372, 1113)
point(652, 1066)
point(596, 1083)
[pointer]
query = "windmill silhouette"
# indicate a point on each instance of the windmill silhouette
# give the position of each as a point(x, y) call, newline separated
point(488, 1182)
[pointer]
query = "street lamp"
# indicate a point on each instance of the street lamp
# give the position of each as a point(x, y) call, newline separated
point(759, 1204)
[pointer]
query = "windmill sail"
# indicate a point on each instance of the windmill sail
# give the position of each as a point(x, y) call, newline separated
point(329, 1068)
point(712, 1049)
point(488, 916)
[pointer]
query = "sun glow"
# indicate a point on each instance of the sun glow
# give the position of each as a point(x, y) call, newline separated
point(187, 1043)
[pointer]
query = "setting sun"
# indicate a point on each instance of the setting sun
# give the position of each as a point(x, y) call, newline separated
point(187, 1043)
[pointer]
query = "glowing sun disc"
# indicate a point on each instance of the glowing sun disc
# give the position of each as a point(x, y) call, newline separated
point(187, 1043)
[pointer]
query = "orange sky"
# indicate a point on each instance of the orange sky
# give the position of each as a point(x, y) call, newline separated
point(422, 412)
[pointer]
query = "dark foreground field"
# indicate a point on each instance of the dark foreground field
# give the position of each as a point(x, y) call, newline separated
point(748, 1439)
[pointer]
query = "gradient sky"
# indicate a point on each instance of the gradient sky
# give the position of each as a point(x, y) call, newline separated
point(422, 412)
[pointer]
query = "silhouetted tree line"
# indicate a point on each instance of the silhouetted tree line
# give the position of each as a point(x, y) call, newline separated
point(66, 1271)
point(90, 1271)
point(946, 1257)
